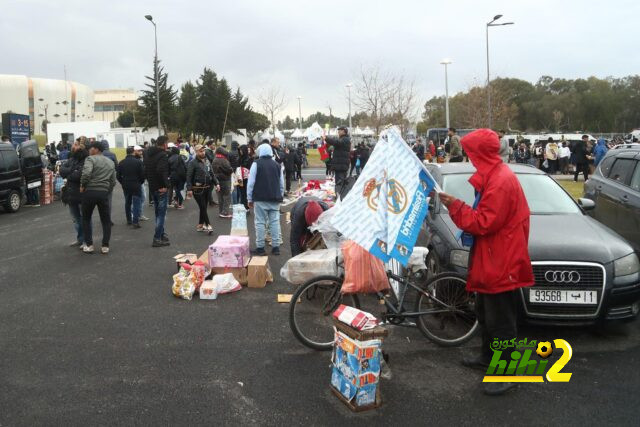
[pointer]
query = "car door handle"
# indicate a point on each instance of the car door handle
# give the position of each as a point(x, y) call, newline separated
point(624, 199)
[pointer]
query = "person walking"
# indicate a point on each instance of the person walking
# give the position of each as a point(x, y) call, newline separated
point(222, 170)
point(200, 179)
point(138, 153)
point(265, 192)
point(302, 154)
point(580, 153)
point(340, 158)
point(96, 183)
point(110, 155)
point(210, 152)
point(278, 153)
point(499, 225)
point(455, 149)
point(551, 153)
point(156, 168)
point(563, 158)
point(291, 164)
point(71, 170)
point(177, 177)
point(131, 176)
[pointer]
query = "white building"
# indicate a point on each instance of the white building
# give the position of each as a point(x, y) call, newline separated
point(109, 103)
point(53, 100)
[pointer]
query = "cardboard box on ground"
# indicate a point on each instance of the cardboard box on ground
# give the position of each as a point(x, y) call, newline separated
point(259, 272)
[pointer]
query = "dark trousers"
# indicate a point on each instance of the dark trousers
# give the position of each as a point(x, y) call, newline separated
point(298, 171)
point(497, 315)
point(456, 159)
point(289, 175)
point(132, 206)
point(564, 165)
point(202, 199)
point(581, 167)
point(91, 199)
point(243, 193)
point(224, 198)
point(340, 177)
point(177, 186)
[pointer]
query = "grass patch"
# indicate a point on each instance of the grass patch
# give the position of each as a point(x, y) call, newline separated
point(313, 157)
point(576, 189)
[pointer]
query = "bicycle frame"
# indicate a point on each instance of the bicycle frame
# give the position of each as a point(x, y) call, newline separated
point(399, 310)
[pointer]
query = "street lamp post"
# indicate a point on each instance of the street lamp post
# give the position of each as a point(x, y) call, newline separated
point(155, 70)
point(348, 86)
point(300, 112)
point(446, 62)
point(491, 24)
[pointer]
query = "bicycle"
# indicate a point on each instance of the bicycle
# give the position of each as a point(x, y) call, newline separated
point(444, 310)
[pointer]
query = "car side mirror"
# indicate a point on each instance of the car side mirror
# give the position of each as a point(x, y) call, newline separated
point(586, 204)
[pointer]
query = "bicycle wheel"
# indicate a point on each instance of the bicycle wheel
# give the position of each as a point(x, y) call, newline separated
point(311, 308)
point(449, 317)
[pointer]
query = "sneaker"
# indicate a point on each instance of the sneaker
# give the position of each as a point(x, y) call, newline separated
point(258, 252)
point(144, 218)
point(180, 207)
point(159, 243)
point(74, 244)
point(200, 228)
point(275, 251)
point(87, 249)
point(135, 226)
point(209, 228)
point(104, 250)
point(164, 237)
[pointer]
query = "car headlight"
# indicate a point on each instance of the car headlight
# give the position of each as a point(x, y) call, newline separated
point(626, 265)
point(459, 258)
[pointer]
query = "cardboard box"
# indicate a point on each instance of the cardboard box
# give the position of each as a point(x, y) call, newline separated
point(229, 251)
point(356, 396)
point(209, 290)
point(240, 274)
point(259, 272)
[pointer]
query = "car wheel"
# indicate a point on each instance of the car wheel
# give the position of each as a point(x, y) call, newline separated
point(433, 264)
point(13, 202)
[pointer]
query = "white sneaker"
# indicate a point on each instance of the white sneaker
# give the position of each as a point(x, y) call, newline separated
point(87, 249)
point(105, 250)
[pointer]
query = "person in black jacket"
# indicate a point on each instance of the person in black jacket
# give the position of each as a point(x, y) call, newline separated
point(278, 154)
point(200, 179)
point(304, 213)
point(156, 168)
point(340, 159)
point(223, 171)
point(581, 156)
point(131, 176)
point(302, 155)
point(71, 170)
point(210, 153)
point(234, 155)
point(291, 164)
point(363, 155)
point(177, 177)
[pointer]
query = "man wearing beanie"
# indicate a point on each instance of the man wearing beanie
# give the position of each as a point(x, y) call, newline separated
point(304, 213)
point(498, 225)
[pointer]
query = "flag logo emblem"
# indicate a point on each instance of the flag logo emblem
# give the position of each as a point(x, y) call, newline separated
point(396, 196)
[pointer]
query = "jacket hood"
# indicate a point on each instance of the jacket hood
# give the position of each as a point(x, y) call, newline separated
point(222, 151)
point(265, 150)
point(105, 144)
point(482, 146)
point(234, 146)
point(601, 142)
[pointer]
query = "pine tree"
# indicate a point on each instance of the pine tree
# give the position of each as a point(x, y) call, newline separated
point(148, 113)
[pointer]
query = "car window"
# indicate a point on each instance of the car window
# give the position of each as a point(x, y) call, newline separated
point(622, 170)
point(11, 162)
point(605, 165)
point(635, 179)
point(544, 196)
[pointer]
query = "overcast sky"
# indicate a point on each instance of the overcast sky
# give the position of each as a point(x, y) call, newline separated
point(312, 49)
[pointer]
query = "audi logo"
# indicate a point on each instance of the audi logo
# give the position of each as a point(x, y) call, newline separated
point(562, 276)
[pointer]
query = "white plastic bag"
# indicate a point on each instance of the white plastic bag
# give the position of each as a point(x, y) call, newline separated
point(417, 259)
point(310, 264)
point(332, 238)
point(239, 221)
point(226, 283)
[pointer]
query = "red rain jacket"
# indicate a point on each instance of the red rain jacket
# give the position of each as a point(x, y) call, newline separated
point(499, 259)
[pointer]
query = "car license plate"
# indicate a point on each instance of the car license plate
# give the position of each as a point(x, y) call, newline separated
point(34, 184)
point(556, 296)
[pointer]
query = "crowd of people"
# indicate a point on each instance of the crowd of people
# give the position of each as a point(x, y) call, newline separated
point(160, 172)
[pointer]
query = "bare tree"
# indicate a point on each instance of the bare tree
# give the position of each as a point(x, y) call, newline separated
point(373, 93)
point(403, 103)
point(273, 102)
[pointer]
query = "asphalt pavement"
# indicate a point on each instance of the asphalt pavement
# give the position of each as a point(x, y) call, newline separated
point(101, 340)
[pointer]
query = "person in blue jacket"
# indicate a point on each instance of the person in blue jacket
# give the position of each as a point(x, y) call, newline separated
point(600, 151)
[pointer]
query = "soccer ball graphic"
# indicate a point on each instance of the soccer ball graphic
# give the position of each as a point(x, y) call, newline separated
point(544, 349)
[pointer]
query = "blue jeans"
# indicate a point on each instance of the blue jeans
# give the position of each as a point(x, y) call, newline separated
point(160, 207)
point(267, 212)
point(76, 216)
point(141, 199)
point(132, 207)
point(235, 196)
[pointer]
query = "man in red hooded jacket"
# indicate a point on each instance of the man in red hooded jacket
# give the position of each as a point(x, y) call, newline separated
point(499, 261)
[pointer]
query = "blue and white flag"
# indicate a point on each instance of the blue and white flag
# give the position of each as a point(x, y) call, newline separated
point(384, 210)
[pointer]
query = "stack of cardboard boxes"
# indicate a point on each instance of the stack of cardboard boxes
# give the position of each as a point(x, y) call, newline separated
point(46, 189)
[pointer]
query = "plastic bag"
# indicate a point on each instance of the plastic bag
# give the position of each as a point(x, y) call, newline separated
point(332, 238)
point(310, 264)
point(184, 284)
point(364, 273)
point(226, 283)
point(417, 259)
point(239, 221)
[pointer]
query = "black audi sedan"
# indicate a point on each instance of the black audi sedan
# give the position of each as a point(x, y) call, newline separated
point(585, 273)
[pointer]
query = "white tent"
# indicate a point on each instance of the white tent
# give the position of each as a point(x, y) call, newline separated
point(357, 131)
point(297, 134)
point(314, 132)
point(368, 132)
point(268, 135)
